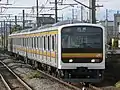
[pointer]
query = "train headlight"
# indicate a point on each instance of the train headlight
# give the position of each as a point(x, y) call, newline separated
point(95, 60)
point(70, 60)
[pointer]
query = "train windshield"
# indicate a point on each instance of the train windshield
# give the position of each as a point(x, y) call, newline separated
point(82, 37)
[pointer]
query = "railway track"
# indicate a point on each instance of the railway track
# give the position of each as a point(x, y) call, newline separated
point(11, 80)
point(79, 86)
point(3, 85)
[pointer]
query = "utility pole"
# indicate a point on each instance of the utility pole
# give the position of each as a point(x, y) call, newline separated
point(62, 17)
point(73, 14)
point(37, 13)
point(16, 20)
point(23, 19)
point(56, 11)
point(7, 1)
point(1, 35)
point(81, 13)
point(10, 27)
point(92, 11)
point(4, 35)
point(106, 25)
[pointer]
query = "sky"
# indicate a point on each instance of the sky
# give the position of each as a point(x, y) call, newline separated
point(112, 5)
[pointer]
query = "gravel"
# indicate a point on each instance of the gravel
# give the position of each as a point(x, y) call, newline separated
point(25, 71)
point(40, 83)
point(2, 86)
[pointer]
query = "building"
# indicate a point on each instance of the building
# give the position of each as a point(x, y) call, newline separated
point(109, 28)
point(116, 25)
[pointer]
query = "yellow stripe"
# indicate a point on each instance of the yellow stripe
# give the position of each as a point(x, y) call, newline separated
point(38, 52)
point(82, 55)
point(36, 34)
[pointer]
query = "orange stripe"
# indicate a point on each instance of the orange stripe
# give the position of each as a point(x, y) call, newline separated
point(82, 55)
point(39, 52)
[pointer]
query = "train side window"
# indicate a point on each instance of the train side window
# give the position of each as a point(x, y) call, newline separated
point(56, 42)
point(27, 42)
point(44, 43)
point(40, 42)
point(32, 41)
point(48, 43)
point(16, 41)
point(37, 42)
point(23, 42)
point(53, 42)
point(20, 41)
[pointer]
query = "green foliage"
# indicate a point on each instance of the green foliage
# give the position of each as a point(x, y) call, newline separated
point(16, 28)
point(117, 85)
point(35, 74)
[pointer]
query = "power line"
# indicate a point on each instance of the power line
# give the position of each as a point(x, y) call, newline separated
point(43, 6)
point(27, 7)
point(83, 4)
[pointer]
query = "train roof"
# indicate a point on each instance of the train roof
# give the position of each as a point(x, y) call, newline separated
point(55, 26)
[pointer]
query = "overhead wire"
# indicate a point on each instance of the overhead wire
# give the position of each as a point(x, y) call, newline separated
point(43, 6)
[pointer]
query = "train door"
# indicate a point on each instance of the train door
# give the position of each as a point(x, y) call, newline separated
point(11, 44)
point(48, 49)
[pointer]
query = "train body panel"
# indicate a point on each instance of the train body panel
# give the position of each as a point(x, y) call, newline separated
point(62, 47)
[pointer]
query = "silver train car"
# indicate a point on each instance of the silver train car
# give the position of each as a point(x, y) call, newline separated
point(74, 52)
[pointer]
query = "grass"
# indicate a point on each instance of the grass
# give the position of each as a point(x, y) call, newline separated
point(117, 85)
point(34, 74)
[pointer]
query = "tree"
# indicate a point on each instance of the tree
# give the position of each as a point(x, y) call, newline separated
point(16, 28)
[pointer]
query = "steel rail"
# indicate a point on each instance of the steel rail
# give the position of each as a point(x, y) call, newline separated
point(60, 81)
point(18, 78)
point(5, 83)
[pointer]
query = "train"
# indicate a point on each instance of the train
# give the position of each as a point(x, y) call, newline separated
point(72, 51)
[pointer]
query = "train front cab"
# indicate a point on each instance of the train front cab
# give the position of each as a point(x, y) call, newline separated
point(82, 53)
